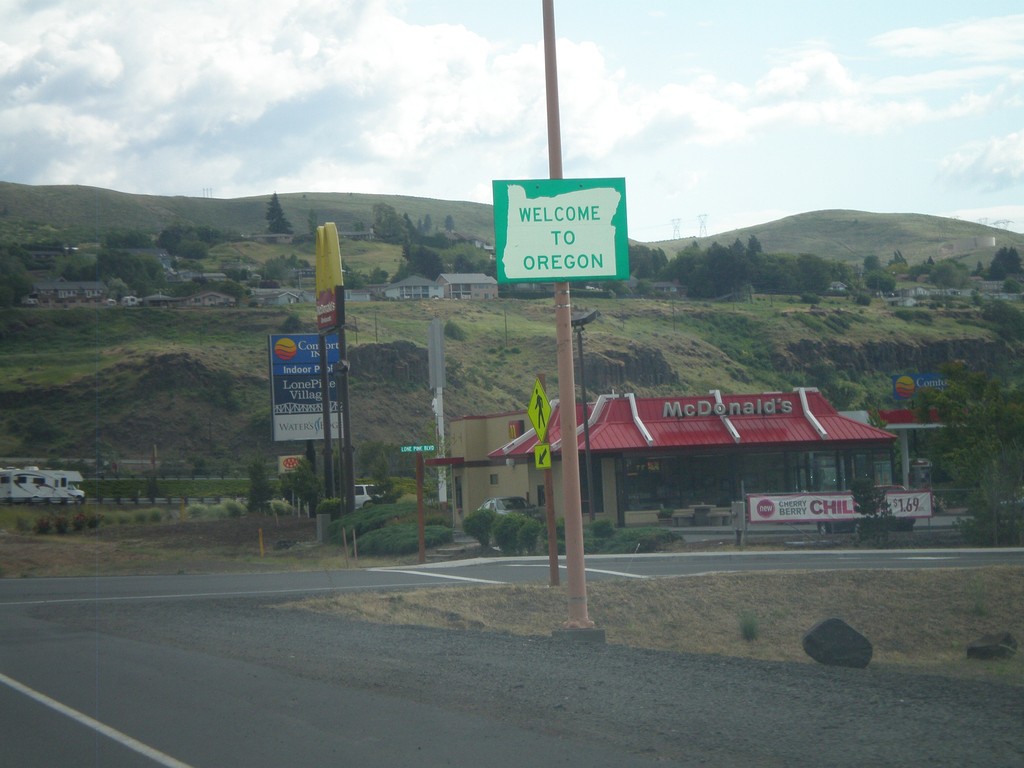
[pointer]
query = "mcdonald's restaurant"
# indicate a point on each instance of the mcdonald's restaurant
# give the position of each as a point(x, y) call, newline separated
point(640, 457)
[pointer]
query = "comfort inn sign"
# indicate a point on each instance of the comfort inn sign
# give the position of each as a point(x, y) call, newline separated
point(560, 230)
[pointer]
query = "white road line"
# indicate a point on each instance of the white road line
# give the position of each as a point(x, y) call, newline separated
point(111, 733)
point(589, 570)
point(434, 575)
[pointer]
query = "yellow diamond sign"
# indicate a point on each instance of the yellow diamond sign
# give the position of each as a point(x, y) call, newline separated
point(539, 411)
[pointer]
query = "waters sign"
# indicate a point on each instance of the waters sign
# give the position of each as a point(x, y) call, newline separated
point(560, 230)
point(295, 385)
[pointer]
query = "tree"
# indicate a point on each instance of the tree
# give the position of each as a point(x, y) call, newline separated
point(877, 519)
point(388, 225)
point(982, 448)
point(17, 282)
point(260, 488)
point(277, 224)
point(872, 264)
point(1006, 262)
point(880, 281)
point(302, 485)
point(950, 274)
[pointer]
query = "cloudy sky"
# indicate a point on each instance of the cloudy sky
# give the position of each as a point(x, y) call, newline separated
point(736, 113)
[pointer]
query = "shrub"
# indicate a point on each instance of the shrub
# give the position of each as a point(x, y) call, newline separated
point(479, 525)
point(78, 521)
point(372, 518)
point(401, 539)
point(280, 507)
point(196, 511)
point(93, 520)
point(155, 516)
point(233, 508)
point(507, 532)
point(43, 524)
point(454, 331)
point(529, 532)
point(602, 529)
point(61, 524)
point(749, 629)
point(328, 506)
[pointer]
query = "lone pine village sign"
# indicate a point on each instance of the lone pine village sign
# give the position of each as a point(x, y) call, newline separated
point(560, 230)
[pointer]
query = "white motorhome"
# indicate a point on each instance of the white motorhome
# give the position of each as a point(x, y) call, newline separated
point(35, 485)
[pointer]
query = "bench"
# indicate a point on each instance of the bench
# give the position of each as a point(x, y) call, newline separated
point(682, 516)
point(640, 517)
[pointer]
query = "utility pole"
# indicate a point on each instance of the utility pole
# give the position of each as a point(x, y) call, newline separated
point(571, 507)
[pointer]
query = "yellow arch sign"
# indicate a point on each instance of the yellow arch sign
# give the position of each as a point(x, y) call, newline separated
point(329, 276)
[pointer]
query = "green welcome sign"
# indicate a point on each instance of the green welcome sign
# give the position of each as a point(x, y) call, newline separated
point(560, 230)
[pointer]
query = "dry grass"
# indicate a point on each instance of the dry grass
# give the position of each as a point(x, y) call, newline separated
point(916, 620)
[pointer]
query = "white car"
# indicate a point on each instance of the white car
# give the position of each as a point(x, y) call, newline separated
point(505, 505)
point(365, 494)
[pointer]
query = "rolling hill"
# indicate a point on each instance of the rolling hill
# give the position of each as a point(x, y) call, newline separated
point(84, 214)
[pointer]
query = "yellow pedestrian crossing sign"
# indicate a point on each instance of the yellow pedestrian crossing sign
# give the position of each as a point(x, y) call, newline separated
point(539, 411)
point(542, 456)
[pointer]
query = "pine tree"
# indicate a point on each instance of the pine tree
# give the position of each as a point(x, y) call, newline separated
point(277, 224)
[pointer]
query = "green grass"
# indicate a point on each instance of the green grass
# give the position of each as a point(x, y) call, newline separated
point(85, 214)
point(850, 236)
point(76, 381)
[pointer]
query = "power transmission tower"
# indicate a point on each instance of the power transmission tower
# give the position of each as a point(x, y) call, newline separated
point(703, 219)
point(675, 229)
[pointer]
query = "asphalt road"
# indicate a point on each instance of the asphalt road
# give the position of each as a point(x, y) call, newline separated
point(138, 671)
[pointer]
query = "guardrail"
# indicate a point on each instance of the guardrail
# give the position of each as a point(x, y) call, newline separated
point(169, 501)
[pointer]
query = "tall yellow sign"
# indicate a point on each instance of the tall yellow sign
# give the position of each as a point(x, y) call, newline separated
point(329, 276)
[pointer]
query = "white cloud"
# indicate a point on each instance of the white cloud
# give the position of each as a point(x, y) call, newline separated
point(246, 96)
point(992, 165)
point(992, 39)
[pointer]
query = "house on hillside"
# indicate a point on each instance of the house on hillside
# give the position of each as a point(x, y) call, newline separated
point(273, 238)
point(412, 288)
point(161, 300)
point(68, 293)
point(468, 286)
point(209, 299)
point(279, 297)
point(668, 288)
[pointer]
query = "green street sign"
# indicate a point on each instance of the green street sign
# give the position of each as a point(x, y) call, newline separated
point(560, 230)
point(418, 448)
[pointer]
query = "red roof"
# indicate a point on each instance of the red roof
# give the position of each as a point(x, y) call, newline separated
point(801, 419)
point(907, 416)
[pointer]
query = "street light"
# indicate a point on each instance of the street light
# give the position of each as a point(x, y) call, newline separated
point(580, 319)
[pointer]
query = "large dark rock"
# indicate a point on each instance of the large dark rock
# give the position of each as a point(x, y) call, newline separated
point(999, 645)
point(837, 644)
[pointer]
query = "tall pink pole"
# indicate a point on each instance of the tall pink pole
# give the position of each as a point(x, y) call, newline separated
point(572, 508)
